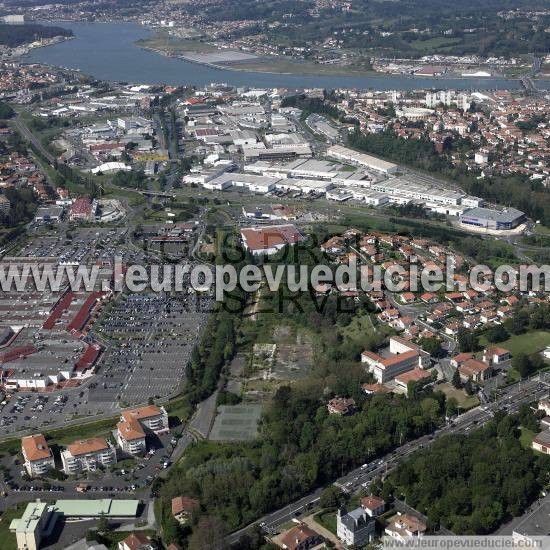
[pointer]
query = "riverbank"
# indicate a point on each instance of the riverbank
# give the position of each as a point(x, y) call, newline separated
point(117, 58)
point(189, 50)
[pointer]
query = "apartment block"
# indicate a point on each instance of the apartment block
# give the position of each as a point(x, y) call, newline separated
point(88, 455)
point(38, 456)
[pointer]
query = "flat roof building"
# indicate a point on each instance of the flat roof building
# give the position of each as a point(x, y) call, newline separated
point(37, 522)
point(490, 218)
point(355, 157)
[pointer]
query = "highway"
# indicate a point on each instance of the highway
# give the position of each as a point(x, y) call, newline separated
point(511, 398)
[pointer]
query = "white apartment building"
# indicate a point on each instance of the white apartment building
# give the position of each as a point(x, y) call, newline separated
point(135, 424)
point(131, 438)
point(88, 455)
point(38, 456)
point(152, 419)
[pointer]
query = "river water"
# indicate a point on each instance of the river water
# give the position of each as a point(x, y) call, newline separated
point(107, 51)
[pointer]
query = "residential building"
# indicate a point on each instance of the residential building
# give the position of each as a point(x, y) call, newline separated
point(182, 508)
point(88, 455)
point(373, 505)
point(402, 526)
point(152, 419)
point(476, 370)
point(38, 456)
point(5, 205)
point(300, 537)
point(496, 356)
point(541, 442)
point(137, 541)
point(131, 437)
point(544, 405)
point(355, 527)
point(341, 406)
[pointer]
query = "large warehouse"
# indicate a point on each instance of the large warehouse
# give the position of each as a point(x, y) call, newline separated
point(489, 218)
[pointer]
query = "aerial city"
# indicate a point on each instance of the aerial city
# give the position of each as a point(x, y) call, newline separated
point(274, 274)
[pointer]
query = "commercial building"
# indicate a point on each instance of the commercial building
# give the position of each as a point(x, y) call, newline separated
point(349, 155)
point(83, 209)
point(354, 528)
point(270, 239)
point(38, 456)
point(48, 214)
point(489, 218)
point(88, 455)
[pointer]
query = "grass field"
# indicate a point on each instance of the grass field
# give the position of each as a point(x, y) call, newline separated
point(6, 536)
point(530, 342)
point(526, 438)
point(464, 401)
point(327, 520)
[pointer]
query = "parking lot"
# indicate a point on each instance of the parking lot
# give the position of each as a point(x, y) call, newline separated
point(38, 411)
point(153, 336)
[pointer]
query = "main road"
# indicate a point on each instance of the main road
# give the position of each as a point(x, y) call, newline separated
point(510, 400)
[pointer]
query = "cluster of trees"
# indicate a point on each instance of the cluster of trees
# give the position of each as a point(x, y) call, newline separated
point(15, 35)
point(131, 180)
point(472, 483)
point(300, 447)
point(5, 110)
point(310, 105)
point(23, 206)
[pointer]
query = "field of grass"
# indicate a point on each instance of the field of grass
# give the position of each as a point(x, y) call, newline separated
point(530, 342)
point(327, 520)
point(6, 536)
point(464, 401)
point(172, 44)
point(433, 43)
point(526, 438)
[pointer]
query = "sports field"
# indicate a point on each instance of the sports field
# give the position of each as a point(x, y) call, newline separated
point(236, 423)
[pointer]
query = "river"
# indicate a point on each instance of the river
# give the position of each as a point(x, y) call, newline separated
point(107, 51)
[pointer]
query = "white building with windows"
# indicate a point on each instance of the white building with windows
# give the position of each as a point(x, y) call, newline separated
point(354, 528)
point(38, 456)
point(88, 455)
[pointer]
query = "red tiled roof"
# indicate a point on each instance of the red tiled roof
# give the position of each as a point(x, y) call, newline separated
point(58, 310)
